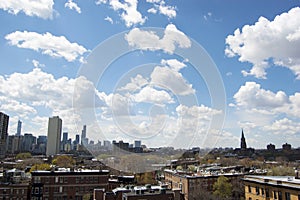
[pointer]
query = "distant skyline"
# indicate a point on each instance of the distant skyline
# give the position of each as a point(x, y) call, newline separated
point(156, 91)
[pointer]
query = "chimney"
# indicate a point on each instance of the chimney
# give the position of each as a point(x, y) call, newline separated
point(296, 174)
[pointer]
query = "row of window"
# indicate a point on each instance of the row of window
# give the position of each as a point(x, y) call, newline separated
point(265, 192)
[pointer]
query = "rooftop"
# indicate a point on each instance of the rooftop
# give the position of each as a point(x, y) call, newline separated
point(280, 181)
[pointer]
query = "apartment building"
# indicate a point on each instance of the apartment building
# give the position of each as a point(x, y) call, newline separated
point(54, 185)
point(271, 188)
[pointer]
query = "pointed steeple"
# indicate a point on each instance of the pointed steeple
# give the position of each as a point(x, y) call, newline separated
point(243, 141)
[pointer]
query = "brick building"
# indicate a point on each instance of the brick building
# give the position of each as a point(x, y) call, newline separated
point(52, 185)
point(272, 187)
point(193, 185)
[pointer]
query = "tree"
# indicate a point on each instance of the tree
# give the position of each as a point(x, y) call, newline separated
point(42, 166)
point(64, 161)
point(222, 188)
point(22, 156)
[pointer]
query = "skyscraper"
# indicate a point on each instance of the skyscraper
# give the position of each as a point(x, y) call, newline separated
point(84, 139)
point(243, 141)
point(19, 128)
point(54, 135)
point(4, 119)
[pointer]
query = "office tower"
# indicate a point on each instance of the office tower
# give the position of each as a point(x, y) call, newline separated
point(4, 119)
point(54, 135)
point(64, 141)
point(14, 144)
point(84, 140)
point(137, 143)
point(28, 142)
point(19, 128)
point(65, 136)
point(77, 139)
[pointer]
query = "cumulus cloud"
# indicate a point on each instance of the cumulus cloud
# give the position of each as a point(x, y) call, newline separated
point(29, 95)
point(128, 11)
point(251, 95)
point(72, 6)
point(268, 42)
point(41, 8)
point(135, 84)
point(151, 95)
point(160, 5)
point(149, 40)
point(36, 63)
point(265, 110)
point(109, 19)
point(54, 46)
point(284, 126)
point(169, 77)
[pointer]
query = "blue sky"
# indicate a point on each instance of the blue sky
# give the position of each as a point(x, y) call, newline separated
point(180, 73)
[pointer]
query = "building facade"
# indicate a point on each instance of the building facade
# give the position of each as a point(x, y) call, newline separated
point(271, 187)
point(51, 185)
point(54, 136)
point(4, 119)
point(195, 186)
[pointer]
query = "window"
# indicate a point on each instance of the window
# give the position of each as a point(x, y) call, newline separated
point(267, 193)
point(279, 195)
point(262, 192)
point(275, 195)
point(56, 179)
point(287, 196)
point(257, 190)
point(249, 188)
point(60, 189)
point(250, 198)
point(298, 196)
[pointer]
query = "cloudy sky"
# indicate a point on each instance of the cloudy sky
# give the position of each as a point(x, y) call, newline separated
point(169, 73)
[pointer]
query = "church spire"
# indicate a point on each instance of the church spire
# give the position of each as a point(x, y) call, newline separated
point(243, 141)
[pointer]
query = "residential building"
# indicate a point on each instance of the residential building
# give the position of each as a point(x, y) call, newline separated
point(48, 185)
point(54, 136)
point(29, 142)
point(14, 144)
point(4, 119)
point(271, 187)
point(192, 185)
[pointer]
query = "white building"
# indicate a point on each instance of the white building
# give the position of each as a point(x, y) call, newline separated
point(54, 136)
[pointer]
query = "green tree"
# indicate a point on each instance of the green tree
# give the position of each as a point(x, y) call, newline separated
point(64, 161)
point(281, 171)
point(222, 188)
point(22, 156)
point(42, 166)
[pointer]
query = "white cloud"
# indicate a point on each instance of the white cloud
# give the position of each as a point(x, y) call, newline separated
point(160, 5)
point(174, 64)
point(36, 94)
point(151, 95)
point(135, 84)
point(54, 46)
point(36, 63)
point(149, 40)
point(109, 19)
point(172, 80)
point(166, 10)
point(41, 8)
point(284, 126)
point(72, 6)
point(251, 96)
point(128, 9)
point(152, 10)
point(268, 42)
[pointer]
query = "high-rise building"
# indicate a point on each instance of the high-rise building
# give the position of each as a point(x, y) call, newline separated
point(243, 141)
point(28, 142)
point(19, 128)
point(84, 140)
point(54, 135)
point(4, 119)
point(137, 143)
point(65, 136)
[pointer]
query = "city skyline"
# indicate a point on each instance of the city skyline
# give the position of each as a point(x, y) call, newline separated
point(245, 74)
